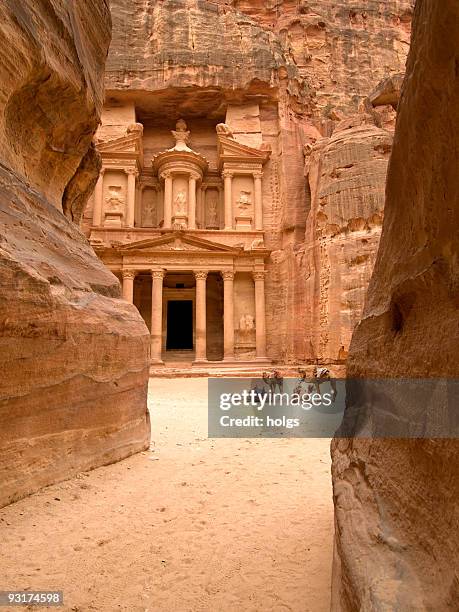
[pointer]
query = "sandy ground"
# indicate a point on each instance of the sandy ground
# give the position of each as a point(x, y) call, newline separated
point(193, 525)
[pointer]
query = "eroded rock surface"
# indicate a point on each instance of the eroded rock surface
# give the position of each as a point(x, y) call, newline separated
point(396, 508)
point(73, 354)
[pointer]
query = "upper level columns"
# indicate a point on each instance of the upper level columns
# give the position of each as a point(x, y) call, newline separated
point(260, 314)
point(167, 198)
point(228, 178)
point(98, 200)
point(201, 317)
point(192, 201)
point(257, 176)
point(130, 203)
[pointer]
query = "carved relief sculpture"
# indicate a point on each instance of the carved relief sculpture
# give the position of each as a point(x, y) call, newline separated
point(244, 200)
point(149, 213)
point(180, 218)
point(115, 202)
point(224, 130)
point(180, 203)
point(244, 218)
point(212, 211)
point(246, 323)
point(246, 331)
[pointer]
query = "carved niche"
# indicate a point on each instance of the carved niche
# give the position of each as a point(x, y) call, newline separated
point(149, 207)
point(115, 205)
point(212, 209)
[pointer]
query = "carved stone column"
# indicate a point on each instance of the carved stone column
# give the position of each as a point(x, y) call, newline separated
point(257, 176)
point(201, 331)
point(157, 315)
point(128, 285)
point(167, 199)
point(130, 208)
point(260, 314)
point(98, 200)
point(192, 201)
point(228, 177)
point(199, 209)
point(228, 315)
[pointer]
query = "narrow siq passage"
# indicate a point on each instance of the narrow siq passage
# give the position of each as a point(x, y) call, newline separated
point(192, 524)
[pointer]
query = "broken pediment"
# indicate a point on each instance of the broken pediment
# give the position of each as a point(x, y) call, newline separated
point(230, 150)
point(130, 143)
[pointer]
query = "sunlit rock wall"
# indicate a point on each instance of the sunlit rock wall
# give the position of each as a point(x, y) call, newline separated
point(73, 354)
point(396, 508)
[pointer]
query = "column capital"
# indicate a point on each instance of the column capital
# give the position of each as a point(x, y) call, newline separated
point(258, 174)
point(200, 275)
point(194, 175)
point(102, 171)
point(133, 171)
point(227, 174)
point(129, 273)
point(167, 174)
point(227, 275)
point(258, 275)
point(158, 274)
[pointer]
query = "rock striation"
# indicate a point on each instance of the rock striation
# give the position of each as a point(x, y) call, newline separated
point(73, 354)
point(396, 512)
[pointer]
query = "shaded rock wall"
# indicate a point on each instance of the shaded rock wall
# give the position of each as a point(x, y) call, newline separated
point(74, 355)
point(312, 69)
point(396, 506)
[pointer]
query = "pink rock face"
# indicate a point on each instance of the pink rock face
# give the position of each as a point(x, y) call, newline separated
point(74, 356)
point(396, 506)
point(302, 78)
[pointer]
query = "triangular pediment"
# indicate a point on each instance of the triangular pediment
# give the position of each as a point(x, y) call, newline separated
point(124, 144)
point(230, 149)
point(179, 241)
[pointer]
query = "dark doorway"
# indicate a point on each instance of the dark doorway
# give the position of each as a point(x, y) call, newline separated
point(179, 325)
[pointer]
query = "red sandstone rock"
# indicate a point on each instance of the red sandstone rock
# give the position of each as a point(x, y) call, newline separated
point(73, 355)
point(396, 507)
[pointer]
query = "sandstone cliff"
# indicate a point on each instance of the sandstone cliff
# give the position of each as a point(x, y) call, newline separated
point(312, 69)
point(73, 355)
point(396, 508)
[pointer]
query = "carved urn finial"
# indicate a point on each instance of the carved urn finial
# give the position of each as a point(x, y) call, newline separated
point(181, 135)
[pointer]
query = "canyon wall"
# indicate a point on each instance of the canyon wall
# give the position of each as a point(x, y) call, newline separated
point(74, 356)
point(396, 511)
point(320, 78)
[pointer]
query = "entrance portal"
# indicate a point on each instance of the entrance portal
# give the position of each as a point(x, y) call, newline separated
point(179, 325)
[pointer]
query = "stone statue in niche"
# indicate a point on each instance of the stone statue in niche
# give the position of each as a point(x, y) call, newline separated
point(182, 136)
point(244, 200)
point(180, 203)
point(115, 199)
point(149, 210)
point(246, 324)
point(212, 210)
